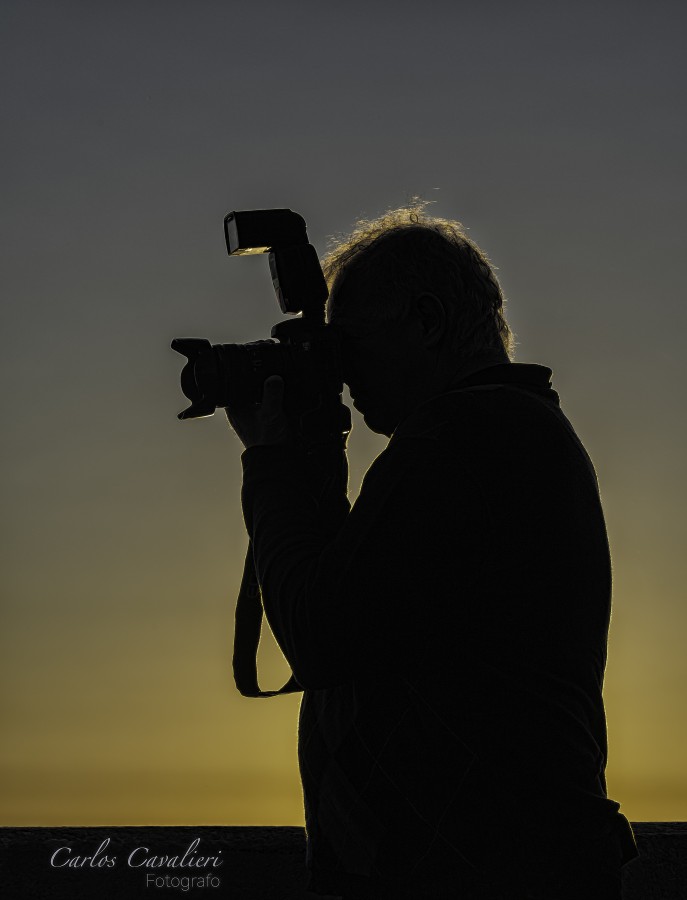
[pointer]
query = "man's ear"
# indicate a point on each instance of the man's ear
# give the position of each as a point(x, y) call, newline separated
point(433, 316)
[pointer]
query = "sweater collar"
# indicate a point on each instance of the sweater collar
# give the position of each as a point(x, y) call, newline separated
point(527, 376)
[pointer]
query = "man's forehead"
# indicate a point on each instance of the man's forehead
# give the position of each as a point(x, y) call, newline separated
point(347, 294)
point(337, 301)
point(339, 312)
point(343, 305)
point(347, 318)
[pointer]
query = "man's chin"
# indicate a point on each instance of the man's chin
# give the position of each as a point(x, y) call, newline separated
point(375, 419)
point(376, 423)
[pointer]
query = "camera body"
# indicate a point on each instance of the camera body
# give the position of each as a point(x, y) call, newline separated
point(303, 351)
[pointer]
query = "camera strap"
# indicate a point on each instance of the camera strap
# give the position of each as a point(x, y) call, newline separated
point(248, 624)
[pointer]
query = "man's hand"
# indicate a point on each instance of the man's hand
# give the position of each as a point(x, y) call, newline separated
point(264, 423)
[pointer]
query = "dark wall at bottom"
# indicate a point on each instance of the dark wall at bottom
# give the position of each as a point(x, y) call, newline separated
point(241, 863)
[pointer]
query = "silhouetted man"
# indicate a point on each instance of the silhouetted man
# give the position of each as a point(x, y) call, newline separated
point(449, 630)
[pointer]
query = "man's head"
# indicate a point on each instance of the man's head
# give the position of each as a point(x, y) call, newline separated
point(418, 305)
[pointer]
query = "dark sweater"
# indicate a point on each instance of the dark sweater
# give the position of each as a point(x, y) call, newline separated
point(450, 633)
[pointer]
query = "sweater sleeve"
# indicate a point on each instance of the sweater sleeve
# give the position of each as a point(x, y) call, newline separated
point(336, 582)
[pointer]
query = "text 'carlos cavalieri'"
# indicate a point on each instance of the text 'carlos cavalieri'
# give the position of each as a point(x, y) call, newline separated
point(141, 858)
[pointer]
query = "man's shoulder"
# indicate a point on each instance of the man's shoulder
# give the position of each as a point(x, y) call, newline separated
point(487, 400)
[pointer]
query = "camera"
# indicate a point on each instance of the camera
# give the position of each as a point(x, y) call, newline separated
point(303, 350)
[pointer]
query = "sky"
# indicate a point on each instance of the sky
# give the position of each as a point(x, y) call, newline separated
point(555, 131)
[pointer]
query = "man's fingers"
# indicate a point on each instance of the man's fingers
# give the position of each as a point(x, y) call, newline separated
point(262, 424)
point(273, 395)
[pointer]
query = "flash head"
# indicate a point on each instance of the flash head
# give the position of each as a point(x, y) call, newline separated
point(261, 230)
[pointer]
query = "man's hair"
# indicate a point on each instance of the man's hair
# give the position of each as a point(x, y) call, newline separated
point(388, 261)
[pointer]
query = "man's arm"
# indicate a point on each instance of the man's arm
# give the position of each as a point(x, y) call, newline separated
point(343, 589)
